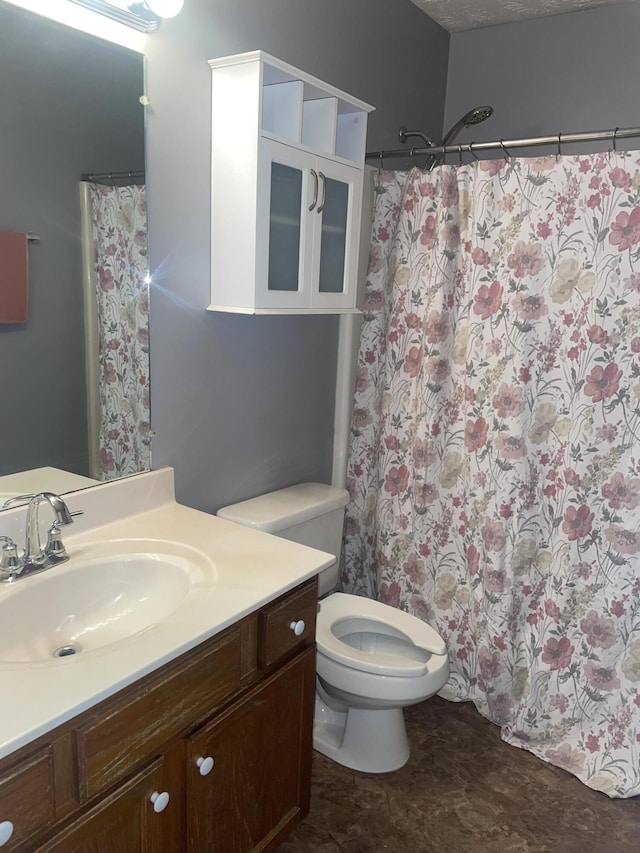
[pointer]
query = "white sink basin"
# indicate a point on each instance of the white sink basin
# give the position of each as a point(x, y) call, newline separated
point(105, 593)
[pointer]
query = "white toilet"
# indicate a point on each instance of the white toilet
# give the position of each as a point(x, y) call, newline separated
point(372, 659)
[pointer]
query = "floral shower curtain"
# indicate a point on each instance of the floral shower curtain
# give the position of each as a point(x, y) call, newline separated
point(119, 227)
point(494, 466)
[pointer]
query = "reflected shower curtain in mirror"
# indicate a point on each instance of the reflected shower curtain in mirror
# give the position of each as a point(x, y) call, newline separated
point(117, 328)
point(494, 466)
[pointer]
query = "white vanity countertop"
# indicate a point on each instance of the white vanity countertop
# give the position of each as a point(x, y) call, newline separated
point(247, 569)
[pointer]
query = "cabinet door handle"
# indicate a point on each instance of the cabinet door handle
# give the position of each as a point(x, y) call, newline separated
point(297, 627)
point(324, 193)
point(6, 831)
point(205, 765)
point(160, 800)
point(315, 191)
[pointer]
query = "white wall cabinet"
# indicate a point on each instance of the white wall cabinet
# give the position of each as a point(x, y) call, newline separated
point(287, 166)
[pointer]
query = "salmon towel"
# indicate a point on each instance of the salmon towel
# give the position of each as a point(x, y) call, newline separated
point(14, 277)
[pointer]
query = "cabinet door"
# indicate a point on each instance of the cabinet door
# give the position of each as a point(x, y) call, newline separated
point(288, 185)
point(124, 822)
point(249, 771)
point(337, 235)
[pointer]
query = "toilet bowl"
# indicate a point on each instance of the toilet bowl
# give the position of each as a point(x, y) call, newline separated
point(372, 659)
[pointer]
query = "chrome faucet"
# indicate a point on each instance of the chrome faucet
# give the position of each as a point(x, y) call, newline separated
point(36, 558)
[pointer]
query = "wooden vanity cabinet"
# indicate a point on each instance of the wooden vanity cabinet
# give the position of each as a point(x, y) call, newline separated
point(211, 753)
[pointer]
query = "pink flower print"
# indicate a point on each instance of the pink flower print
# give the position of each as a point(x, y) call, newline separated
point(361, 418)
point(571, 478)
point(425, 494)
point(635, 345)
point(543, 230)
point(390, 593)
point(560, 702)
point(622, 492)
point(558, 653)
point(452, 235)
point(625, 231)
point(106, 460)
point(493, 534)
point(449, 189)
point(479, 256)
point(436, 327)
point(392, 442)
point(412, 321)
point(423, 452)
point(497, 580)
point(526, 259)
point(607, 433)
point(632, 282)
point(488, 300)
point(490, 663)
point(597, 335)
point(491, 167)
point(413, 361)
point(429, 232)
point(374, 301)
point(592, 743)
point(529, 307)
point(598, 630)
point(414, 570)
point(603, 678)
point(577, 523)
point(594, 201)
point(542, 164)
point(567, 757)
point(475, 434)
point(397, 480)
point(438, 368)
point(623, 541)
point(110, 375)
point(619, 178)
point(473, 560)
point(508, 401)
point(510, 446)
point(603, 381)
point(105, 277)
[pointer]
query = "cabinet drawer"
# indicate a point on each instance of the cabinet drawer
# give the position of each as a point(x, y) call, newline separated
point(130, 730)
point(27, 797)
point(277, 622)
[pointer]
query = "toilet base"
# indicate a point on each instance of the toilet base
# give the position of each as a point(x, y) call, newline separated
point(368, 740)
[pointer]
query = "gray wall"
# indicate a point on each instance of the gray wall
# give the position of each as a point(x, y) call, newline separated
point(242, 405)
point(567, 73)
point(69, 104)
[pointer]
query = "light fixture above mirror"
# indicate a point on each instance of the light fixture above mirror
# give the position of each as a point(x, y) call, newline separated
point(143, 15)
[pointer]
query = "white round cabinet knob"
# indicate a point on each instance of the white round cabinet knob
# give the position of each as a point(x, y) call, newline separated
point(6, 831)
point(160, 801)
point(297, 627)
point(205, 765)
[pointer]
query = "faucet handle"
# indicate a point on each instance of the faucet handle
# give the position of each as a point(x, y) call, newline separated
point(10, 565)
point(55, 549)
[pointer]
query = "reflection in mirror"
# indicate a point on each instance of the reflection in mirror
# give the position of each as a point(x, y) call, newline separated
point(70, 106)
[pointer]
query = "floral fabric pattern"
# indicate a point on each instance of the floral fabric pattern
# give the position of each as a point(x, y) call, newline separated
point(494, 467)
point(119, 223)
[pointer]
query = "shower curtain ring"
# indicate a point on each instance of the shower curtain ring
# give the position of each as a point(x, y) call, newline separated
point(504, 150)
point(614, 140)
point(471, 144)
point(459, 155)
point(380, 162)
point(559, 154)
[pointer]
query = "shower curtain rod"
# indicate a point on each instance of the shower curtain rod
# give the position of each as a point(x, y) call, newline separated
point(559, 139)
point(110, 176)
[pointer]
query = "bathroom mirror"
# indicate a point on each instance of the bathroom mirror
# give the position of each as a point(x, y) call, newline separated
point(70, 106)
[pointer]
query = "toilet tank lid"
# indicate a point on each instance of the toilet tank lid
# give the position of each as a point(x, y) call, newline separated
point(277, 510)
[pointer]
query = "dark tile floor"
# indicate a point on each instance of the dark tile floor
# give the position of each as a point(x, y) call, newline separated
point(462, 791)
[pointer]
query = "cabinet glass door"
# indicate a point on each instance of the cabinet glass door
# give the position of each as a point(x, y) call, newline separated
point(333, 239)
point(285, 222)
point(284, 237)
point(340, 198)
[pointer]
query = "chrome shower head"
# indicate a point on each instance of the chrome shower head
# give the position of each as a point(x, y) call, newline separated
point(474, 116)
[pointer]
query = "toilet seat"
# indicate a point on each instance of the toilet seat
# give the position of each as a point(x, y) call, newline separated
point(351, 613)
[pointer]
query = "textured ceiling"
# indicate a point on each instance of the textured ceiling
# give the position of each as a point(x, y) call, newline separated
point(458, 15)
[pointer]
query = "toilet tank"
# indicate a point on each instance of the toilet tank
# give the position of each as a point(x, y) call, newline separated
point(310, 513)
